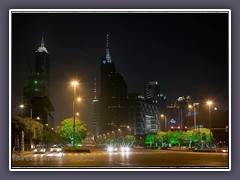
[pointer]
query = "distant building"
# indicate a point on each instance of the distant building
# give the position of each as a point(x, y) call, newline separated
point(36, 93)
point(182, 103)
point(96, 113)
point(113, 98)
point(154, 95)
point(143, 116)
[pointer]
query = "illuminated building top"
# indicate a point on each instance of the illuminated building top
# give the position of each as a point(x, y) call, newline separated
point(42, 48)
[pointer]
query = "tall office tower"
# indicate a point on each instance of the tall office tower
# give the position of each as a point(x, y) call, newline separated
point(36, 94)
point(144, 116)
point(96, 112)
point(39, 76)
point(113, 96)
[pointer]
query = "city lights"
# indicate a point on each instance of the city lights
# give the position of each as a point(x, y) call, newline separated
point(157, 99)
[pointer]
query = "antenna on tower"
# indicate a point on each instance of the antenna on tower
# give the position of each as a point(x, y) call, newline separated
point(42, 42)
point(95, 87)
point(108, 57)
point(107, 41)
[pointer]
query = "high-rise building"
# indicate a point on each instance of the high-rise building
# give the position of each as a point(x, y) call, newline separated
point(144, 116)
point(36, 93)
point(39, 76)
point(113, 96)
point(96, 112)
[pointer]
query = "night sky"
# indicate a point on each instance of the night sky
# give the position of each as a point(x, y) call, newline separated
point(187, 53)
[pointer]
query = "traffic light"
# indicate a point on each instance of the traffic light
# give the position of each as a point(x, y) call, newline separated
point(178, 128)
point(185, 128)
point(171, 128)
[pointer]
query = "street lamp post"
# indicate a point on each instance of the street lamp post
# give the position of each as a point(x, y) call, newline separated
point(74, 84)
point(165, 121)
point(23, 106)
point(120, 132)
point(209, 103)
point(194, 113)
point(113, 134)
point(129, 130)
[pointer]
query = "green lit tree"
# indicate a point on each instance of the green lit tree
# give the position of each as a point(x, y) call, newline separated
point(202, 136)
point(174, 137)
point(65, 129)
point(161, 138)
point(150, 139)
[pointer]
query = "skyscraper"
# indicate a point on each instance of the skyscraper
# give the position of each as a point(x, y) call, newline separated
point(113, 96)
point(96, 112)
point(38, 85)
point(36, 93)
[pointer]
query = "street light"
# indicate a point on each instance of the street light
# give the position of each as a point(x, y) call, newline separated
point(74, 84)
point(113, 134)
point(129, 130)
point(165, 121)
point(120, 132)
point(209, 103)
point(194, 113)
point(23, 106)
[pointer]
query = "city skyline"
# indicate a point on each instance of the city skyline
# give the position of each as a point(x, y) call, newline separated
point(186, 53)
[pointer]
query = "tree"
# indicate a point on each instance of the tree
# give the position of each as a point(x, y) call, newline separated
point(33, 130)
point(65, 129)
point(130, 140)
point(149, 139)
point(174, 137)
point(51, 137)
point(161, 137)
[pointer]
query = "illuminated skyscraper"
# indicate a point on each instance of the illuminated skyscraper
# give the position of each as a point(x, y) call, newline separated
point(113, 96)
point(36, 93)
point(38, 85)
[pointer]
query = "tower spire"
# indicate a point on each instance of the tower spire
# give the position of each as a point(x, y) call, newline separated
point(95, 88)
point(42, 42)
point(108, 57)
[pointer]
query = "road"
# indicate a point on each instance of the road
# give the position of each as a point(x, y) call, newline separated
point(135, 158)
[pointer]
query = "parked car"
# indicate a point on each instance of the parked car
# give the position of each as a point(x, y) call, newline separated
point(39, 149)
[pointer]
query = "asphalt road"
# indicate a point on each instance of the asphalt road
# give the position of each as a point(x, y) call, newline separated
point(99, 158)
